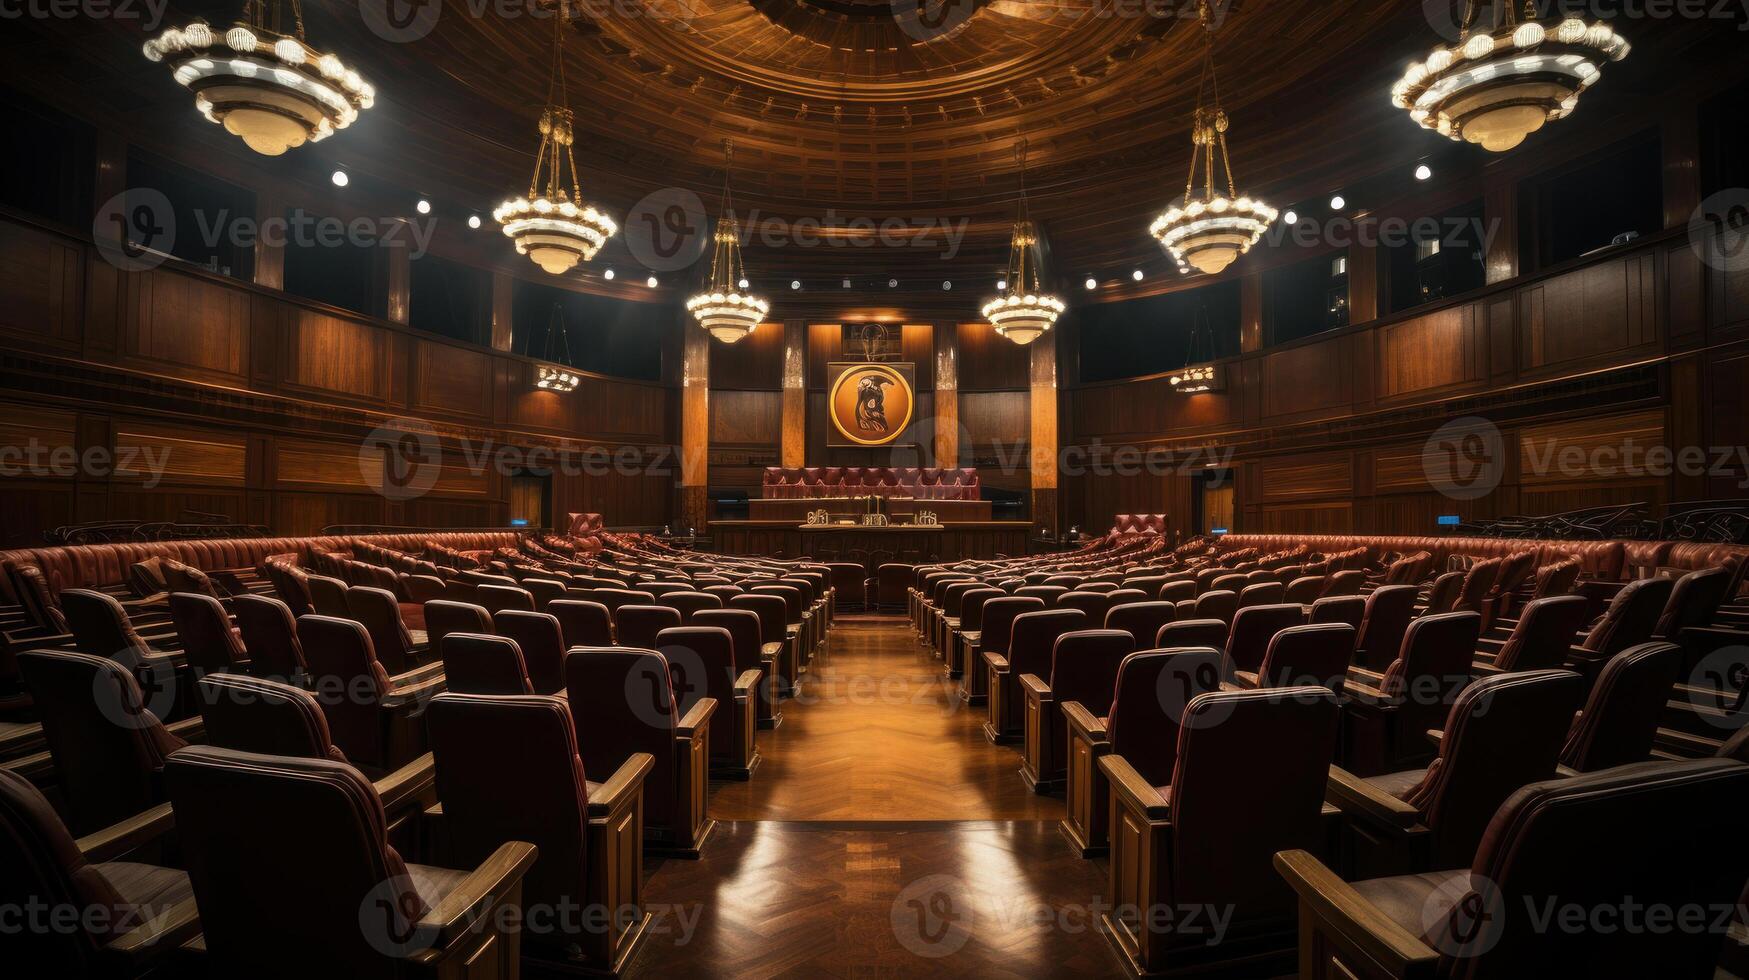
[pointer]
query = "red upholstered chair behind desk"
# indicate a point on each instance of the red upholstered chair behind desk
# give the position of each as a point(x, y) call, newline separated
point(509, 768)
point(1205, 846)
point(107, 743)
point(276, 914)
point(541, 638)
point(1153, 689)
point(1032, 640)
point(132, 917)
point(1083, 670)
point(612, 727)
point(701, 662)
point(375, 718)
point(270, 635)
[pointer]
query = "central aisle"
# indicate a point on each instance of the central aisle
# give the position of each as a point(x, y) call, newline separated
point(882, 835)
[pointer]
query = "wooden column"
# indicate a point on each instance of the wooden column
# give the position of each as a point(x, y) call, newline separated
point(503, 286)
point(1500, 212)
point(1251, 312)
point(269, 255)
point(1680, 140)
point(693, 507)
point(947, 394)
point(397, 300)
point(1363, 283)
point(1044, 431)
point(794, 450)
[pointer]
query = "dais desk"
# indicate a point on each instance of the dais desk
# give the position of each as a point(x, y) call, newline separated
point(872, 545)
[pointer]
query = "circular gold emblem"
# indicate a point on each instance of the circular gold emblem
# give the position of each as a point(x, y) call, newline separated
point(870, 404)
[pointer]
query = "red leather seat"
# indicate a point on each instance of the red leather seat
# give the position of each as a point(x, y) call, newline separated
point(1184, 633)
point(541, 639)
point(1304, 655)
point(544, 591)
point(1621, 716)
point(1141, 620)
point(745, 635)
point(637, 626)
point(691, 603)
point(965, 640)
point(622, 703)
point(1181, 590)
point(253, 714)
point(380, 613)
point(1629, 621)
point(1478, 585)
point(1388, 612)
point(1083, 669)
point(208, 641)
point(509, 768)
point(776, 647)
point(276, 914)
point(1032, 641)
point(476, 663)
point(443, 617)
point(1442, 595)
point(106, 740)
point(1262, 594)
point(1694, 601)
point(327, 595)
point(1217, 604)
point(1385, 725)
point(372, 715)
point(584, 623)
point(1349, 609)
point(701, 664)
point(270, 636)
point(497, 598)
point(1542, 637)
point(1253, 628)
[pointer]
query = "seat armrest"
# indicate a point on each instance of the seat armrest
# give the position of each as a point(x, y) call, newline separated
point(1363, 675)
point(119, 838)
point(748, 682)
point(1347, 917)
point(407, 782)
point(697, 718)
point(1128, 782)
point(1082, 722)
point(1033, 685)
point(1491, 644)
point(997, 661)
point(422, 588)
point(627, 780)
point(1363, 800)
point(1366, 694)
point(486, 887)
point(175, 926)
point(415, 694)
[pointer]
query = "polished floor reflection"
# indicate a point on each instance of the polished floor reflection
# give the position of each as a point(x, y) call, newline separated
point(882, 836)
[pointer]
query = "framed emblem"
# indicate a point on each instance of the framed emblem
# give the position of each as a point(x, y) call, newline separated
point(869, 403)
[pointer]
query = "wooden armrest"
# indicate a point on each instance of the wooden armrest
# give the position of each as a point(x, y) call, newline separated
point(416, 694)
point(1436, 735)
point(1491, 644)
point(1341, 909)
point(1362, 799)
point(407, 782)
point(190, 729)
point(627, 779)
point(1373, 677)
point(1126, 780)
point(748, 682)
point(996, 660)
point(1081, 721)
point(696, 718)
point(483, 889)
point(119, 838)
point(1030, 683)
point(1366, 694)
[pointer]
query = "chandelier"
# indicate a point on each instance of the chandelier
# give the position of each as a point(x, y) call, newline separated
point(550, 225)
point(552, 376)
point(1193, 377)
point(1495, 88)
point(723, 309)
point(266, 86)
point(1022, 311)
point(1212, 230)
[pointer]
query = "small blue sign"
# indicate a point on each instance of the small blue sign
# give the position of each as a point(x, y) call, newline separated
point(1450, 520)
point(1218, 530)
point(519, 522)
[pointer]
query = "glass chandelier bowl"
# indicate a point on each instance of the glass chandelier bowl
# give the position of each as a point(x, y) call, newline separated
point(1022, 310)
point(725, 308)
point(271, 89)
point(1494, 88)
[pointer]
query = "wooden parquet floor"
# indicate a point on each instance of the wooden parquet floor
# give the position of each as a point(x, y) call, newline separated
point(882, 836)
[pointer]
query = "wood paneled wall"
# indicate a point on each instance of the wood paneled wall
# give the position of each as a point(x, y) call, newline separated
point(1639, 347)
point(172, 390)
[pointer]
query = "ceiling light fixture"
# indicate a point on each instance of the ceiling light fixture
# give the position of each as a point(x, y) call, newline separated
point(554, 375)
point(273, 90)
point(553, 227)
point(1091, 283)
point(1423, 172)
point(1292, 218)
point(1338, 202)
point(1022, 311)
point(650, 282)
point(423, 207)
point(473, 221)
point(1136, 275)
point(340, 179)
point(1496, 87)
point(608, 274)
point(1212, 230)
point(722, 308)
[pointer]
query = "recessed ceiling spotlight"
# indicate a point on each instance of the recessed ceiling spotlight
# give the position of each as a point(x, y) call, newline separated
point(1337, 203)
point(1136, 275)
point(608, 274)
point(892, 284)
point(795, 284)
point(742, 284)
point(846, 284)
point(947, 284)
point(340, 179)
point(1091, 283)
point(1423, 172)
point(473, 221)
point(650, 282)
point(423, 207)
point(1291, 217)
